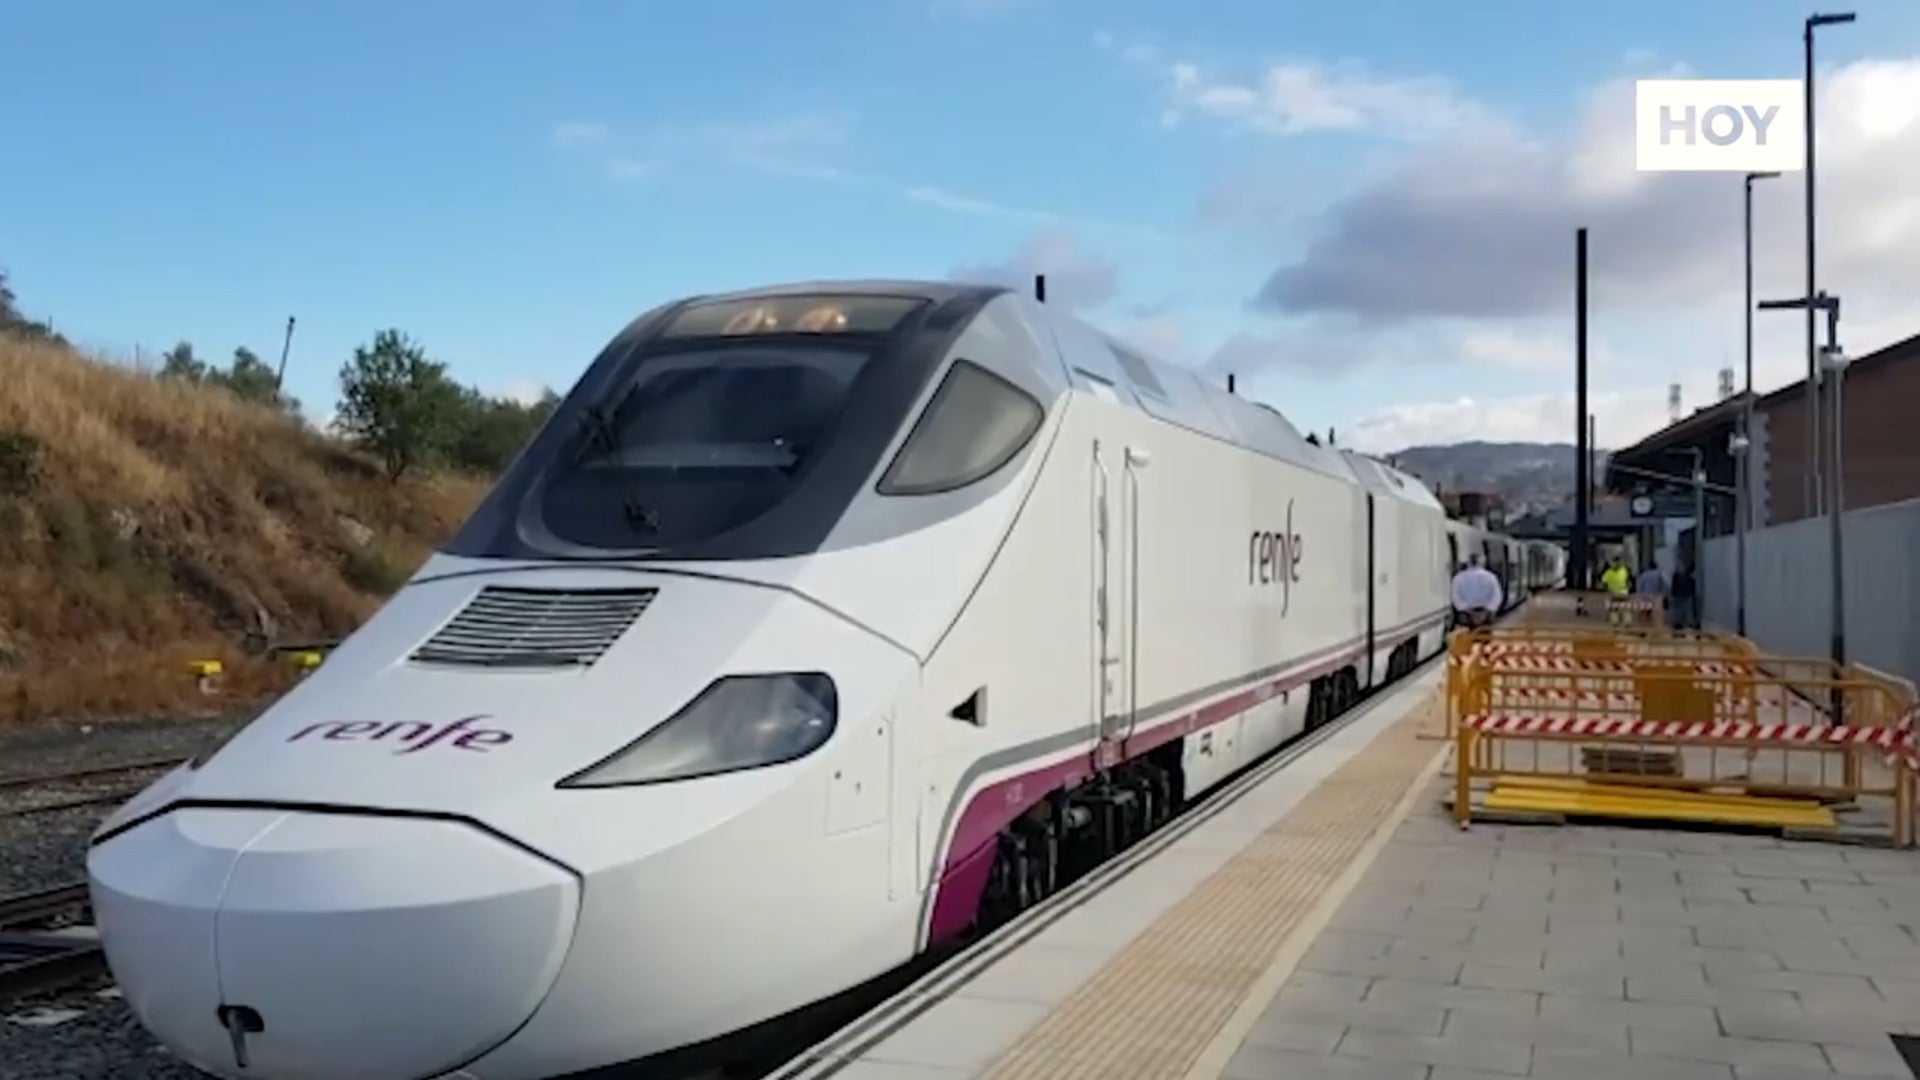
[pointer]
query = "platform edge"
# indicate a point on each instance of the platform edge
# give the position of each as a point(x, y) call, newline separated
point(1226, 1042)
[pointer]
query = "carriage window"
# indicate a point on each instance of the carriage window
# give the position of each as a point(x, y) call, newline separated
point(975, 423)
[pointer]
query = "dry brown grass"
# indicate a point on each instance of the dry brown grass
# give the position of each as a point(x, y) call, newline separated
point(234, 511)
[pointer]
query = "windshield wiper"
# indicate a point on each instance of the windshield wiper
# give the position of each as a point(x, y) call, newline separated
point(603, 434)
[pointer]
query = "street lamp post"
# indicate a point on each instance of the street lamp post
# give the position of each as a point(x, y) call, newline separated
point(1813, 370)
point(1737, 445)
point(1743, 509)
point(1835, 362)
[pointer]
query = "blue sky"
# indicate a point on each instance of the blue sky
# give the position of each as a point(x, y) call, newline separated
point(512, 183)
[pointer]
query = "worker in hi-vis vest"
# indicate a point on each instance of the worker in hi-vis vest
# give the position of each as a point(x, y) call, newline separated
point(1616, 579)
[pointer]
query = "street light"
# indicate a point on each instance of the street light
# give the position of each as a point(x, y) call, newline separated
point(1737, 445)
point(1744, 506)
point(1836, 362)
point(1813, 372)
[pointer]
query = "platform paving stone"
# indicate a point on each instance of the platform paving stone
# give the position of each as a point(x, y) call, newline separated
point(1589, 953)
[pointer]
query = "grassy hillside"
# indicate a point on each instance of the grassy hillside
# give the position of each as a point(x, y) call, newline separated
point(148, 522)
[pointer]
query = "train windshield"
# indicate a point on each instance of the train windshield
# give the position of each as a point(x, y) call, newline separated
point(725, 429)
point(697, 444)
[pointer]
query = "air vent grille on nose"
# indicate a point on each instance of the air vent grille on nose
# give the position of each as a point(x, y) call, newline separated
point(517, 627)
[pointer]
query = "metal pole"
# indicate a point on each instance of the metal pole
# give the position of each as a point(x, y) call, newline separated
point(1743, 502)
point(1577, 577)
point(1836, 508)
point(1696, 608)
point(285, 346)
point(1593, 453)
point(1812, 486)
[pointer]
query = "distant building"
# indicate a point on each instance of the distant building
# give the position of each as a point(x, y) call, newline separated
point(1881, 455)
point(1481, 509)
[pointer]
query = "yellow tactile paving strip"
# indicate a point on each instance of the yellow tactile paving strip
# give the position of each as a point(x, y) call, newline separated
point(1155, 1006)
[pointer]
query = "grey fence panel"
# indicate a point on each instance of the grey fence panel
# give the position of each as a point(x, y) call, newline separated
point(1790, 587)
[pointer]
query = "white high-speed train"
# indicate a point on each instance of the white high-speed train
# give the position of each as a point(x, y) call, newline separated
point(820, 625)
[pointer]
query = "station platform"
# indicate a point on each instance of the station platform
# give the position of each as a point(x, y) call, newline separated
point(1329, 918)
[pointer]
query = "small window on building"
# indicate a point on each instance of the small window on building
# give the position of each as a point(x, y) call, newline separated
point(1138, 371)
point(976, 422)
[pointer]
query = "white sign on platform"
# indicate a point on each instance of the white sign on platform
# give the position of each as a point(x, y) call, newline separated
point(1719, 125)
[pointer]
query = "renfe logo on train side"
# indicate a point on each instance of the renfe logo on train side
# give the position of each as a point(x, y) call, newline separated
point(410, 736)
point(1275, 557)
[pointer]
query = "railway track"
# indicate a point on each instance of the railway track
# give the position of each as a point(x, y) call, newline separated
point(36, 957)
point(41, 793)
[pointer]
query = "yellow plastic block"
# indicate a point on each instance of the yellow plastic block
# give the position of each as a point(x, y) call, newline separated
point(309, 658)
point(1574, 797)
point(205, 668)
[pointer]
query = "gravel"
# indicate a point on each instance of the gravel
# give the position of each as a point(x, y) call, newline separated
point(84, 1032)
point(41, 850)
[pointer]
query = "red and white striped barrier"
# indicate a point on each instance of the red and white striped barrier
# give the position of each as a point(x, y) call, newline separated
point(1566, 665)
point(1894, 740)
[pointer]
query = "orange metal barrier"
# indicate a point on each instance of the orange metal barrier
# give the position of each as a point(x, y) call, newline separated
point(1576, 657)
point(1691, 699)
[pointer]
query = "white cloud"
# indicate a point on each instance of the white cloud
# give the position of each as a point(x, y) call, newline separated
point(928, 195)
point(576, 133)
point(1623, 416)
point(1076, 277)
point(1489, 232)
point(1458, 253)
point(795, 147)
point(1620, 418)
point(1297, 97)
point(526, 391)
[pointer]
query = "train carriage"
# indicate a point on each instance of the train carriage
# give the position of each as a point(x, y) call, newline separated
point(821, 624)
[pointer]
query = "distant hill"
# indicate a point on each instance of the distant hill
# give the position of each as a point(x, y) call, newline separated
point(1531, 477)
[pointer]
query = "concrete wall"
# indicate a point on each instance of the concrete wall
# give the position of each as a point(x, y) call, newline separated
point(1790, 585)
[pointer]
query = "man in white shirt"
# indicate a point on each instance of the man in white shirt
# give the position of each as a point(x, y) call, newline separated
point(1477, 594)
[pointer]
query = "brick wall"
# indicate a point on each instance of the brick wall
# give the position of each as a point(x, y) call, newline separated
point(1882, 452)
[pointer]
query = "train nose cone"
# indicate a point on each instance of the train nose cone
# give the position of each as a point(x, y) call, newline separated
point(343, 945)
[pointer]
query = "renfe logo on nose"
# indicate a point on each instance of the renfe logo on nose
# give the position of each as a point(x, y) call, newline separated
point(409, 736)
point(1719, 125)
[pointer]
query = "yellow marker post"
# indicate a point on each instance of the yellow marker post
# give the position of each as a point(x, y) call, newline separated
point(206, 674)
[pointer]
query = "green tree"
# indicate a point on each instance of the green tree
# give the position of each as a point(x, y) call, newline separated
point(252, 380)
point(15, 324)
point(180, 363)
point(397, 403)
point(492, 430)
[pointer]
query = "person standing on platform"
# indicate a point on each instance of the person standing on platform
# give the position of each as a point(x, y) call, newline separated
point(1477, 594)
point(1617, 580)
point(1685, 599)
point(1651, 582)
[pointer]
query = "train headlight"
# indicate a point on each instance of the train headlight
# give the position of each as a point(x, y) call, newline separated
point(738, 722)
